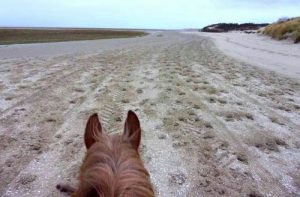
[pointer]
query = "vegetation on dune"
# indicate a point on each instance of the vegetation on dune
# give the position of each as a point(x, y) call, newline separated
point(289, 28)
point(20, 36)
point(225, 27)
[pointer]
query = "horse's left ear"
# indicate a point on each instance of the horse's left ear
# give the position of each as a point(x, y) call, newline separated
point(132, 130)
point(93, 128)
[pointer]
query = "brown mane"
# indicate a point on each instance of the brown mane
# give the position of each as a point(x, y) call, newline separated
point(112, 166)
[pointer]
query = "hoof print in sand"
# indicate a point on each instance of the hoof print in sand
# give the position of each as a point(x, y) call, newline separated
point(26, 179)
point(177, 178)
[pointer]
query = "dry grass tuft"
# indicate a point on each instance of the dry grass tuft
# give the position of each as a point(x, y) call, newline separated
point(284, 30)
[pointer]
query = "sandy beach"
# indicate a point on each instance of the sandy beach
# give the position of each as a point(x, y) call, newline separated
point(48, 50)
point(220, 117)
point(282, 57)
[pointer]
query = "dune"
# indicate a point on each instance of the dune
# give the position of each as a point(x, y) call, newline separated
point(286, 29)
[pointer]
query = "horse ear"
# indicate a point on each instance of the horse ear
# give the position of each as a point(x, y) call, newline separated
point(132, 130)
point(92, 129)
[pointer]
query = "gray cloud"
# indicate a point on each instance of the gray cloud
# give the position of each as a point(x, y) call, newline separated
point(142, 14)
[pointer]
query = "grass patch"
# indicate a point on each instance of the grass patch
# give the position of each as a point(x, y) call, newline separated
point(284, 30)
point(22, 36)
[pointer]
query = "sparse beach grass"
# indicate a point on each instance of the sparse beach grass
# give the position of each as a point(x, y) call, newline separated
point(284, 30)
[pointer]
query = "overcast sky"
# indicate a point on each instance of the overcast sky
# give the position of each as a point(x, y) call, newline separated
point(168, 14)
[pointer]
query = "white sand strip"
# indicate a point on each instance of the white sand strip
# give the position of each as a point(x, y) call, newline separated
point(280, 56)
point(64, 48)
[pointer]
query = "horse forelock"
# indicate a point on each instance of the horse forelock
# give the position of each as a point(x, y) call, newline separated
point(113, 168)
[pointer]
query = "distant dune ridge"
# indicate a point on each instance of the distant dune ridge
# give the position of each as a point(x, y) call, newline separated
point(284, 29)
point(225, 27)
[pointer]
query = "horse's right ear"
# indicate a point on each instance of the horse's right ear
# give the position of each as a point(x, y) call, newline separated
point(93, 128)
point(132, 130)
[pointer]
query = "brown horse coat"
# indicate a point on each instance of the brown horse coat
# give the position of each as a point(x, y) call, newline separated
point(112, 166)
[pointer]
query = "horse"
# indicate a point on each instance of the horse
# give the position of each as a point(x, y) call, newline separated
point(112, 166)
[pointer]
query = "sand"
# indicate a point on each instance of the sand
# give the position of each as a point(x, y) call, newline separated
point(44, 50)
point(212, 125)
point(282, 57)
